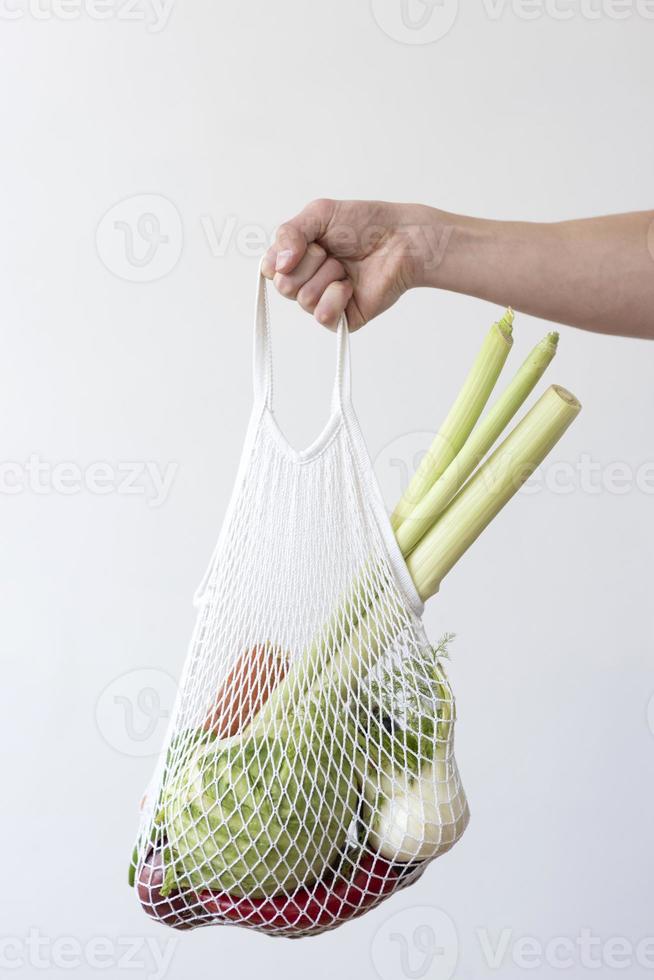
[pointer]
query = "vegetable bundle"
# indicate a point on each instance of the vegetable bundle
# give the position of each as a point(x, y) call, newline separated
point(310, 767)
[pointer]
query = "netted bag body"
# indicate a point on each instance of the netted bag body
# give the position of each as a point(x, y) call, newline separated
point(309, 769)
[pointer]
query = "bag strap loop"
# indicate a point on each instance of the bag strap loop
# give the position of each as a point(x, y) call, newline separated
point(262, 368)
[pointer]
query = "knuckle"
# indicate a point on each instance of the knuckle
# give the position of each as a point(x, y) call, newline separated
point(316, 251)
point(342, 290)
point(307, 299)
point(321, 204)
point(332, 270)
point(285, 231)
point(324, 316)
point(284, 286)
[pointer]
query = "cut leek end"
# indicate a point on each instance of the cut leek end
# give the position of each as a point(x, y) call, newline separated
point(505, 325)
point(567, 396)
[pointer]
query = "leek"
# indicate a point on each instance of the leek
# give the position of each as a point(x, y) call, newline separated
point(462, 416)
point(491, 488)
point(480, 441)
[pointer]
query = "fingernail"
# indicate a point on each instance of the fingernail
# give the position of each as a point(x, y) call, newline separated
point(283, 258)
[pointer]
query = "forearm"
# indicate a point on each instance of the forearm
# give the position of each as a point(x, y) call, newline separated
point(595, 273)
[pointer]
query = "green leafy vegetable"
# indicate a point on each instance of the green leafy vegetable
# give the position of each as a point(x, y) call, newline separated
point(265, 812)
point(408, 708)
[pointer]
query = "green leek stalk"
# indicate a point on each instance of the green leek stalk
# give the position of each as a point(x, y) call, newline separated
point(492, 486)
point(451, 439)
point(461, 418)
point(347, 646)
point(459, 526)
point(434, 502)
point(308, 670)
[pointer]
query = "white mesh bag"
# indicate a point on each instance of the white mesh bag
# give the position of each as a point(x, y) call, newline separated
point(308, 771)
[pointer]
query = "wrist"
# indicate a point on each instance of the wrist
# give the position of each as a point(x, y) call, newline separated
point(442, 249)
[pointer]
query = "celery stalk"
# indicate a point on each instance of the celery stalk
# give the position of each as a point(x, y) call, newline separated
point(478, 444)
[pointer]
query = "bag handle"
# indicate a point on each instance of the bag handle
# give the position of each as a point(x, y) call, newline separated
point(262, 368)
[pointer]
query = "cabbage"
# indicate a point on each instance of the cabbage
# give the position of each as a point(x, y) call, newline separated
point(263, 813)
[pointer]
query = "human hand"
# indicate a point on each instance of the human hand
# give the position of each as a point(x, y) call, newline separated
point(359, 257)
point(356, 257)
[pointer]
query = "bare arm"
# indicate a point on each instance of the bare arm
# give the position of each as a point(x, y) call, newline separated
point(593, 273)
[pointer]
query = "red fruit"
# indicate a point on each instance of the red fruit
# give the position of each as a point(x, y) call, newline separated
point(328, 903)
point(180, 911)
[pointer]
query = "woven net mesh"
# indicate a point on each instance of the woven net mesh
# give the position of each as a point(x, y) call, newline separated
point(309, 768)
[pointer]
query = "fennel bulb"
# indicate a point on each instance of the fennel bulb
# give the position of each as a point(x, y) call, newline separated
point(414, 802)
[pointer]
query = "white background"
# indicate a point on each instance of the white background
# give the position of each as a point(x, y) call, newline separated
point(243, 112)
